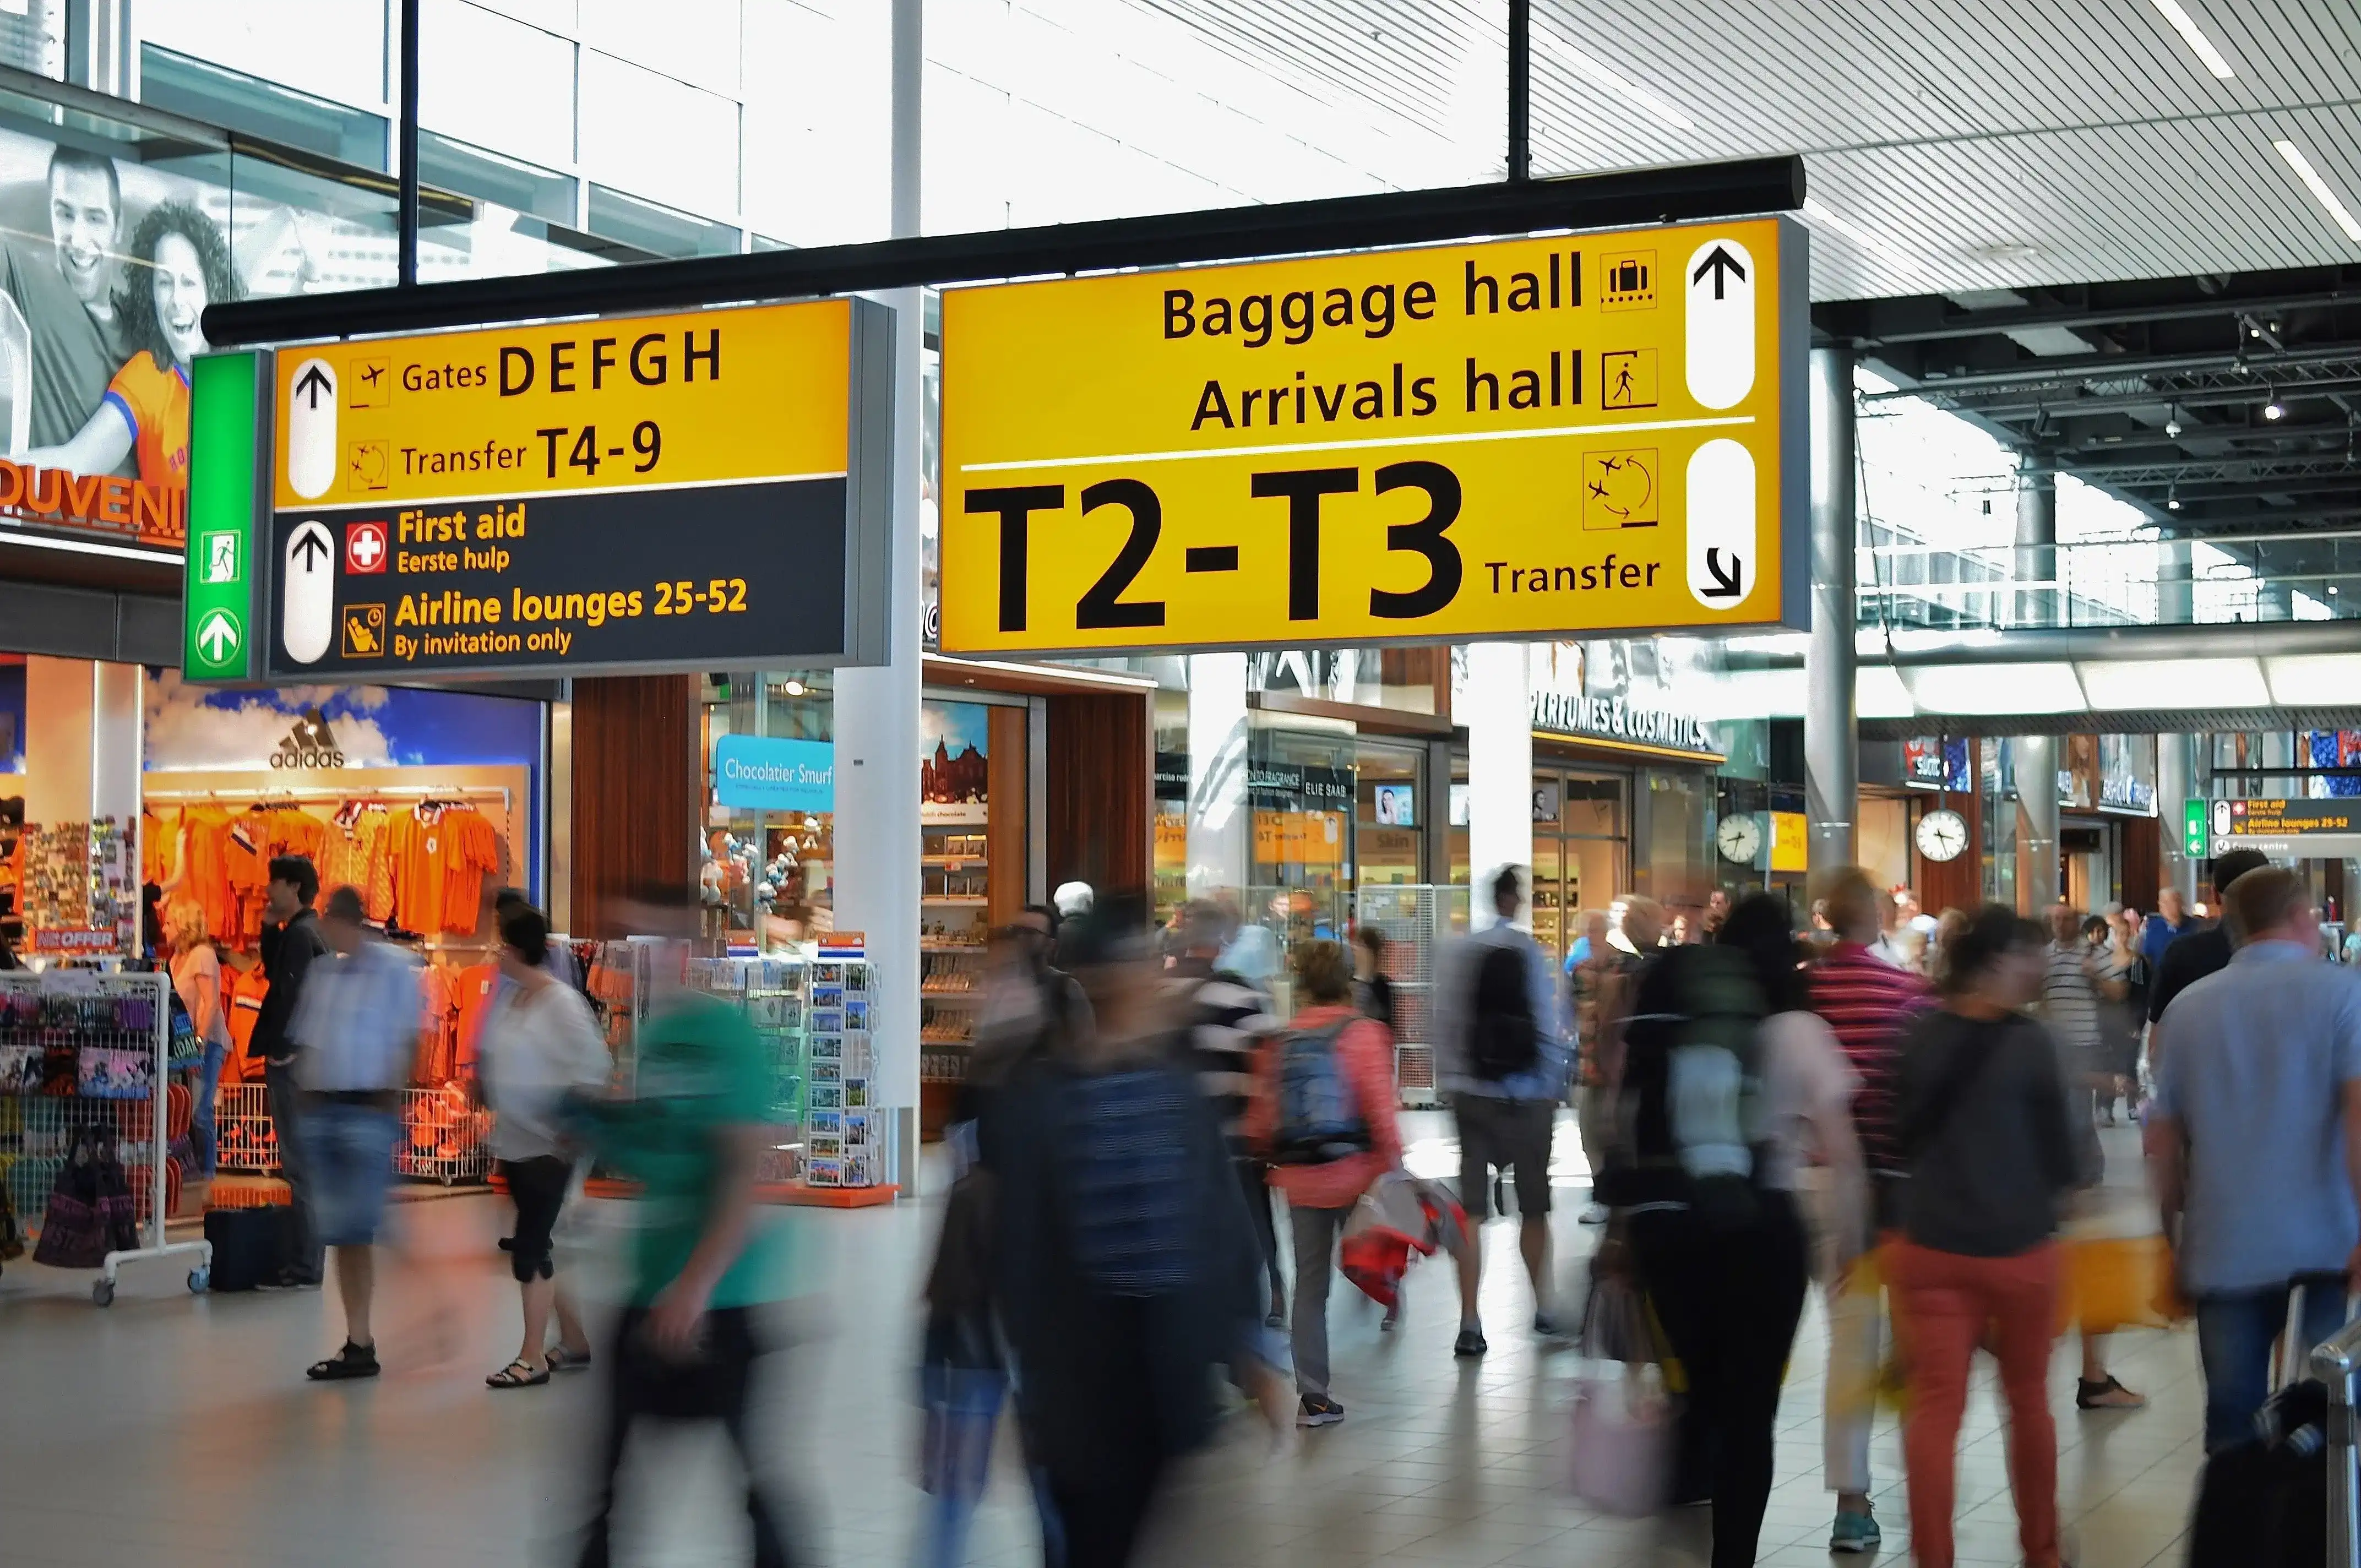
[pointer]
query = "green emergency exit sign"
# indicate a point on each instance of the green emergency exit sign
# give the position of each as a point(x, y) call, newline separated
point(218, 597)
point(2192, 829)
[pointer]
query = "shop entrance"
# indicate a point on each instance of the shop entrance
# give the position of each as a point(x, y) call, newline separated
point(1582, 851)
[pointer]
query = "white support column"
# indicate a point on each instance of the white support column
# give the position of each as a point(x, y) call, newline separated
point(2037, 793)
point(1832, 736)
point(1220, 822)
point(2174, 788)
point(877, 836)
point(1499, 769)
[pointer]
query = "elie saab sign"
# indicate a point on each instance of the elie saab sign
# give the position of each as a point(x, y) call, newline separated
point(1616, 718)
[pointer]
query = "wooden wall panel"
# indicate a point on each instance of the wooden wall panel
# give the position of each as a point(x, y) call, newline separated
point(2143, 862)
point(1100, 829)
point(1004, 824)
point(637, 780)
point(1958, 883)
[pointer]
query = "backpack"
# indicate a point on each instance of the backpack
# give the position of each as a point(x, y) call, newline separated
point(1692, 1072)
point(1503, 1040)
point(1319, 1118)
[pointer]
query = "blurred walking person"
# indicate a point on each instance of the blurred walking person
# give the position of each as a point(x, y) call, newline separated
point(1731, 1079)
point(2074, 992)
point(1124, 1271)
point(1230, 1035)
point(197, 982)
point(1501, 1059)
point(540, 1044)
point(1323, 1112)
point(290, 945)
point(2255, 1137)
point(706, 1267)
point(1029, 1010)
point(354, 1030)
point(1867, 1004)
point(1983, 1127)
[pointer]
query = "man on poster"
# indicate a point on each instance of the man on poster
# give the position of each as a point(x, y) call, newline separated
point(66, 298)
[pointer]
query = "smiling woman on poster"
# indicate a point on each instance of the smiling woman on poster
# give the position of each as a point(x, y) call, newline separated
point(180, 264)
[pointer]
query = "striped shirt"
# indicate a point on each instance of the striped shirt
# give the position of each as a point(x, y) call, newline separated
point(1230, 1027)
point(2071, 1006)
point(1867, 1002)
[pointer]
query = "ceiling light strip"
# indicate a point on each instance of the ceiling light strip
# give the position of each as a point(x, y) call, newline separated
point(2194, 37)
point(2321, 192)
point(1876, 245)
point(1618, 83)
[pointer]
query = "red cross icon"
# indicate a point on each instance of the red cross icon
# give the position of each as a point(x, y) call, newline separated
point(364, 548)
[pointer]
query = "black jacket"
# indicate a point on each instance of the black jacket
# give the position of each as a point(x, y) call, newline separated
point(2187, 959)
point(1102, 1377)
point(1985, 1127)
point(287, 954)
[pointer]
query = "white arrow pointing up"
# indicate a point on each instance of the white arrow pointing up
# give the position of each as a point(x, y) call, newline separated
point(217, 636)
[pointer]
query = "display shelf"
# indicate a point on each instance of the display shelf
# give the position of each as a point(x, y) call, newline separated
point(954, 901)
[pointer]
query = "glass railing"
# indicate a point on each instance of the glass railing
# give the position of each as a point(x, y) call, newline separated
point(287, 221)
point(2312, 576)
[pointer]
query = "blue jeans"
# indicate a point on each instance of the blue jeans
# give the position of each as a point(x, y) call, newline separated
point(202, 1141)
point(348, 1150)
point(2235, 1332)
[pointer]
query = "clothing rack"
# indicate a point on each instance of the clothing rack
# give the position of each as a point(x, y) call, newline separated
point(134, 1108)
point(400, 792)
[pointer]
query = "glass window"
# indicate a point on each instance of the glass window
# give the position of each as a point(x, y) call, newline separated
point(658, 137)
point(334, 48)
point(471, 170)
point(1389, 815)
point(242, 103)
point(497, 83)
point(658, 229)
point(826, 125)
point(694, 40)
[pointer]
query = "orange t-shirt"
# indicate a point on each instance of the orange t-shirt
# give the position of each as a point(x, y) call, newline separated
point(477, 985)
point(470, 850)
point(204, 841)
point(246, 990)
point(154, 402)
point(160, 845)
point(418, 869)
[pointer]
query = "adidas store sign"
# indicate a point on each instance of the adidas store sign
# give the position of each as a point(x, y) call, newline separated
point(308, 744)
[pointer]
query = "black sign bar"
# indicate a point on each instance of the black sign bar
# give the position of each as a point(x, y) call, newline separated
point(1620, 198)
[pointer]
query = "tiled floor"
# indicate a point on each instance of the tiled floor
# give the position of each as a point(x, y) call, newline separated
point(180, 1430)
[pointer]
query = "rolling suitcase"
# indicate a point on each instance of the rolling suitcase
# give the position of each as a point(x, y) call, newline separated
point(2264, 1504)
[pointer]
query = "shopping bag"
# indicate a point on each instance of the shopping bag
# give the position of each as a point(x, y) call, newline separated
point(1623, 1432)
point(1616, 1324)
point(2117, 1282)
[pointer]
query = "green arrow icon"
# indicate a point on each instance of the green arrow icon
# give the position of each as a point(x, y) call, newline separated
point(218, 637)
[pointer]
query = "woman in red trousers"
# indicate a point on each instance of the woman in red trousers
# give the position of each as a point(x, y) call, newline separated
point(1983, 1125)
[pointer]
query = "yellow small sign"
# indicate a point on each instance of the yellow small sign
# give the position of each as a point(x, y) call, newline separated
point(646, 402)
point(1790, 846)
point(364, 630)
point(1563, 436)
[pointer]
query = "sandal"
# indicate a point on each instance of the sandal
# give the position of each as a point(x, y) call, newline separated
point(564, 1360)
point(352, 1361)
point(2108, 1394)
point(518, 1374)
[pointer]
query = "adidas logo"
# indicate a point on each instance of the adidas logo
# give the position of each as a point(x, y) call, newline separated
point(309, 744)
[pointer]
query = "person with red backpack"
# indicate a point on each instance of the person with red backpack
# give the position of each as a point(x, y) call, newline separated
point(1323, 1115)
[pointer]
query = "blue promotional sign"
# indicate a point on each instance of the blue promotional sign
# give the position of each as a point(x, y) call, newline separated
point(756, 773)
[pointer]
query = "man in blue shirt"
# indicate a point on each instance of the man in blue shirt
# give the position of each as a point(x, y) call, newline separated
point(2256, 1139)
point(2171, 919)
point(1507, 1115)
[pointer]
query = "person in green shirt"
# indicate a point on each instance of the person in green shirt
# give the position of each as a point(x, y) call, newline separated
point(705, 1262)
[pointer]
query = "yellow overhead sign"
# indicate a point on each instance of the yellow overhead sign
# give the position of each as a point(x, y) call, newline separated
point(643, 402)
point(1521, 438)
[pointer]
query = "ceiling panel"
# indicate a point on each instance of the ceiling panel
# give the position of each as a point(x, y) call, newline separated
point(1994, 143)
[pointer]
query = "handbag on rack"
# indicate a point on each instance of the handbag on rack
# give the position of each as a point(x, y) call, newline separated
point(90, 1209)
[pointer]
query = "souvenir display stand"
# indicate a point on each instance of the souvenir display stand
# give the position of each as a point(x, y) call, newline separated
point(82, 1049)
point(814, 1015)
